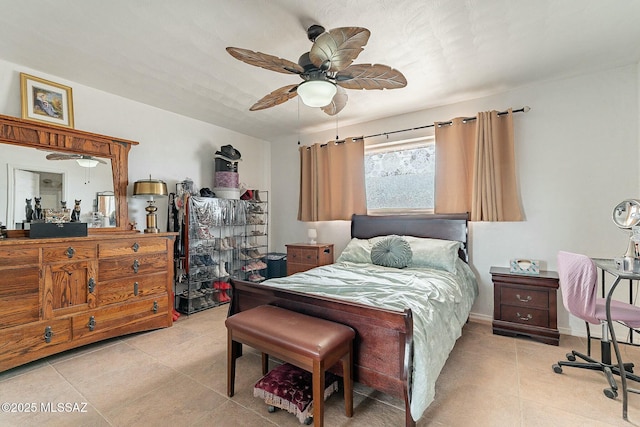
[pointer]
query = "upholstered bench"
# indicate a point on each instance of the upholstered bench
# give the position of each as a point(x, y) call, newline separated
point(312, 344)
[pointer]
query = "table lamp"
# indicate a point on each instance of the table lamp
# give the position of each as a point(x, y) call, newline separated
point(312, 234)
point(148, 188)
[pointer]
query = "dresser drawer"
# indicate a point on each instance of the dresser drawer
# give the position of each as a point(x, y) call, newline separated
point(31, 339)
point(525, 315)
point(131, 266)
point(10, 257)
point(69, 251)
point(19, 296)
point(123, 316)
point(132, 247)
point(132, 287)
point(524, 297)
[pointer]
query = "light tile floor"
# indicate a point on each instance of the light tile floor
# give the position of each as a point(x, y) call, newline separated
point(176, 377)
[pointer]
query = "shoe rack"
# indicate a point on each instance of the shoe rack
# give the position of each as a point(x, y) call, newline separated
point(219, 239)
point(252, 258)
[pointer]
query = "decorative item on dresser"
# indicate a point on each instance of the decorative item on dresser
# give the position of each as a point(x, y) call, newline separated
point(526, 305)
point(148, 188)
point(61, 293)
point(304, 256)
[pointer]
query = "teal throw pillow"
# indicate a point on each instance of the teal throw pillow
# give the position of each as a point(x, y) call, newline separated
point(392, 251)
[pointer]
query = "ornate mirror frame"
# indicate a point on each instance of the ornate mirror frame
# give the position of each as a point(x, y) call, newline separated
point(54, 138)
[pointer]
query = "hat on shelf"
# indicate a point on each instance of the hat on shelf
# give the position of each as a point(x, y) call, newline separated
point(228, 152)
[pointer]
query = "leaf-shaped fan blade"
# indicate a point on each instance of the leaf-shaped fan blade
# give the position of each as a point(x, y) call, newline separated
point(370, 76)
point(62, 156)
point(263, 60)
point(337, 103)
point(338, 47)
point(276, 97)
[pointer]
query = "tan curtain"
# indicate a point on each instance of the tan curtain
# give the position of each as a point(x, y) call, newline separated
point(332, 181)
point(475, 168)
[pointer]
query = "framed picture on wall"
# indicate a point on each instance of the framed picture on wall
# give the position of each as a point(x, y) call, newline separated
point(46, 101)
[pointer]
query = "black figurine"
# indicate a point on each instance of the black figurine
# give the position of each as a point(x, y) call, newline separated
point(28, 210)
point(75, 213)
point(37, 210)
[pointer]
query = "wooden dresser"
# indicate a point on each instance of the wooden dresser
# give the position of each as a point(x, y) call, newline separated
point(305, 256)
point(62, 293)
point(526, 305)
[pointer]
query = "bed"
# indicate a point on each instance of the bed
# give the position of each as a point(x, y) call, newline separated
point(401, 345)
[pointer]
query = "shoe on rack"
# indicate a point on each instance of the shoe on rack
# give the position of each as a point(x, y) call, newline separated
point(222, 271)
point(256, 196)
point(224, 297)
point(229, 242)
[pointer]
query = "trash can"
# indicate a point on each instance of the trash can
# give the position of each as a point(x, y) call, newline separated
point(276, 265)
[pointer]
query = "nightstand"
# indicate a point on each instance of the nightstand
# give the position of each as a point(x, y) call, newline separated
point(305, 256)
point(525, 305)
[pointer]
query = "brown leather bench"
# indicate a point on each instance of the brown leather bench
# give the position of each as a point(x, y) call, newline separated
point(312, 344)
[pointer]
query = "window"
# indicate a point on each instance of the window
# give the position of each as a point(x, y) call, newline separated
point(399, 176)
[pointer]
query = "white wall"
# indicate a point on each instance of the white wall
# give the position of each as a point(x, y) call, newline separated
point(577, 152)
point(172, 147)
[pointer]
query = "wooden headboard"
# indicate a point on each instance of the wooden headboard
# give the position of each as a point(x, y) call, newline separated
point(441, 226)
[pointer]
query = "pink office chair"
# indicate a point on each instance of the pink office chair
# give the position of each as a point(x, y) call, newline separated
point(579, 285)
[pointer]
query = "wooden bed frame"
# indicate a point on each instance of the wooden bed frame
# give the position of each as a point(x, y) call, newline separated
point(383, 349)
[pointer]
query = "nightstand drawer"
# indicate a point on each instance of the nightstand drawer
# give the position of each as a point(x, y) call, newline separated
point(525, 305)
point(303, 256)
point(524, 297)
point(525, 316)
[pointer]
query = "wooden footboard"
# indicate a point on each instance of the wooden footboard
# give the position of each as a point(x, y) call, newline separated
point(383, 348)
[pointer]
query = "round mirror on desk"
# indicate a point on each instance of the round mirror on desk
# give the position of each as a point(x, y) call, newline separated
point(626, 215)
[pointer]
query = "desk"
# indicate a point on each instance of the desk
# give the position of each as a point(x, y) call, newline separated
point(609, 266)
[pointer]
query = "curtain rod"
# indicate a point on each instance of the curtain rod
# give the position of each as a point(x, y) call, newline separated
point(524, 109)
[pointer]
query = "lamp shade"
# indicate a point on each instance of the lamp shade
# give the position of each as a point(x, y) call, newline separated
point(316, 93)
point(150, 187)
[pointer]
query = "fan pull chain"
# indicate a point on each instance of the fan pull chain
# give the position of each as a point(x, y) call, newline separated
point(298, 120)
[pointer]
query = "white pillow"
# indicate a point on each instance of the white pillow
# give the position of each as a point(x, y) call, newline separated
point(433, 253)
point(357, 250)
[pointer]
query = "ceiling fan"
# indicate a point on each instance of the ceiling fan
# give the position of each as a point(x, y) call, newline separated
point(83, 160)
point(326, 69)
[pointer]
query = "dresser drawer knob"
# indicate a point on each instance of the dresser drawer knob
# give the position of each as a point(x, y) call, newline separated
point(527, 299)
point(92, 285)
point(155, 306)
point(135, 247)
point(70, 252)
point(526, 319)
point(136, 265)
point(135, 288)
point(92, 323)
point(48, 333)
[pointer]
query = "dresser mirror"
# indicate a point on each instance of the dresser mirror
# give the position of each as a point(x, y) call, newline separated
point(26, 144)
point(30, 175)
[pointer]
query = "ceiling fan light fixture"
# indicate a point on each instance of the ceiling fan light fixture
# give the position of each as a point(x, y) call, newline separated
point(87, 163)
point(317, 93)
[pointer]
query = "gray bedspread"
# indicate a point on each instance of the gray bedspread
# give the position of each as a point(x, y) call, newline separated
point(440, 302)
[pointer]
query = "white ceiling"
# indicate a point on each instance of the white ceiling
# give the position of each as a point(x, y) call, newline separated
point(171, 53)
